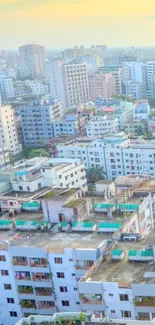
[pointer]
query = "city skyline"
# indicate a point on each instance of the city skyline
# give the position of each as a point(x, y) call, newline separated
point(57, 24)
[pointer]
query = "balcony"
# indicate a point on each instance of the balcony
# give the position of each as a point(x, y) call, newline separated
point(91, 299)
point(144, 301)
point(25, 276)
point(28, 304)
point(38, 262)
point(25, 290)
point(46, 305)
point(43, 291)
point(43, 277)
point(22, 261)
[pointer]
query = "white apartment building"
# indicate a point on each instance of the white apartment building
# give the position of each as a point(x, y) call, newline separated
point(33, 56)
point(142, 109)
point(102, 85)
point(6, 88)
point(101, 125)
point(150, 71)
point(44, 272)
point(134, 89)
point(38, 88)
point(117, 155)
point(33, 174)
point(8, 135)
point(68, 82)
point(134, 71)
point(65, 127)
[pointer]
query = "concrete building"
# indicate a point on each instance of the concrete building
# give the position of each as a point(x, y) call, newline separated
point(134, 89)
point(33, 56)
point(35, 174)
point(101, 125)
point(116, 154)
point(135, 127)
point(37, 118)
point(6, 88)
point(142, 109)
point(69, 82)
point(102, 85)
point(46, 269)
point(8, 135)
point(117, 73)
point(64, 127)
point(38, 88)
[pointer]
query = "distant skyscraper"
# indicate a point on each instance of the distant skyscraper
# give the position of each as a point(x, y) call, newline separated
point(33, 56)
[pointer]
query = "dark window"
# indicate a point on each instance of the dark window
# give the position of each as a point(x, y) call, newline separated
point(7, 286)
point(65, 303)
point(58, 260)
point(2, 258)
point(110, 294)
point(10, 300)
point(13, 314)
point(4, 272)
point(73, 274)
point(63, 289)
point(60, 275)
point(124, 297)
point(112, 311)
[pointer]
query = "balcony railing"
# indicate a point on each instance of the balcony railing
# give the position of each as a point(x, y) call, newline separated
point(38, 262)
point(42, 277)
point(28, 304)
point(18, 261)
point(46, 305)
point(24, 276)
point(25, 290)
point(144, 301)
point(43, 292)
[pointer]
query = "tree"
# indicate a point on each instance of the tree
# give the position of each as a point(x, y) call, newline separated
point(140, 130)
point(38, 153)
point(95, 174)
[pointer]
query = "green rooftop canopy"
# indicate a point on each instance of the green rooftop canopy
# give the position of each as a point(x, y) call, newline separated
point(26, 223)
point(140, 253)
point(116, 252)
point(104, 206)
point(127, 206)
point(5, 222)
point(31, 205)
point(109, 225)
point(64, 224)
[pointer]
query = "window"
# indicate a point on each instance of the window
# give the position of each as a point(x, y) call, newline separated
point(4, 272)
point(60, 275)
point(65, 303)
point(126, 313)
point(110, 294)
point(73, 274)
point(2, 258)
point(13, 314)
point(58, 260)
point(70, 260)
point(75, 289)
point(59, 176)
point(112, 311)
point(7, 286)
point(77, 303)
point(20, 188)
point(10, 300)
point(124, 297)
point(63, 289)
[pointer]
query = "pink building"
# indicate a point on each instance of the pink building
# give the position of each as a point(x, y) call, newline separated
point(102, 85)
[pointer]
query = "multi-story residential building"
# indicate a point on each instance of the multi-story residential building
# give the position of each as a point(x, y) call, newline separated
point(51, 270)
point(8, 135)
point(101, 125)
point(69, 82)
point(135, 127)
point(6, 88)
point(117, 73)
point(142, 109)
point(33, 56)
point(134, 89)
point(32, 175)
point(65, 127)
point(37, 118)
point(102, 85)
point(116, 154)
point(38, 88)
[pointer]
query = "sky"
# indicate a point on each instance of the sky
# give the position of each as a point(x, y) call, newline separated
point(64, 23)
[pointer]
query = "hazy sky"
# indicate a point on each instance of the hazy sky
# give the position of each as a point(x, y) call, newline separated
point(63, 23)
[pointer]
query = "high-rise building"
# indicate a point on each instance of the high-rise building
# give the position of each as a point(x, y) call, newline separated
point(8, 135)
point(37, 118)
point(33, 56)
point(6, 88)
point(69, 82)
point(102, 85)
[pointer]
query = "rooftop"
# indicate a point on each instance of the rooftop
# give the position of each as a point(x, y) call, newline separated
point(104, 182)
point(124, 271)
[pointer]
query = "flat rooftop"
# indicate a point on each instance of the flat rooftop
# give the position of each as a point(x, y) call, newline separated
point(53, 241)
point(124, 271)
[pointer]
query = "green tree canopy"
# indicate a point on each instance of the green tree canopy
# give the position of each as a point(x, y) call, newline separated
point(38, 153)
point(95, 174)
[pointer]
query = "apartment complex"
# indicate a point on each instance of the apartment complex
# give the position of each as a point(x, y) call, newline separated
point(116, 71)
point(37, 87)
point(102, 85)
point(58, 262)
point(8, 135)
point(36, 173)
point(33, 56)
point(116, 154)
point(37, 118)
point(69, 82)
point(101, 125)
point(6, 88)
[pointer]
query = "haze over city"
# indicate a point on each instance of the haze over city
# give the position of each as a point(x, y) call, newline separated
point(59, 23)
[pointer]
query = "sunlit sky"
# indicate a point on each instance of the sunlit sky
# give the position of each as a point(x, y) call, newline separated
point(63, 23)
